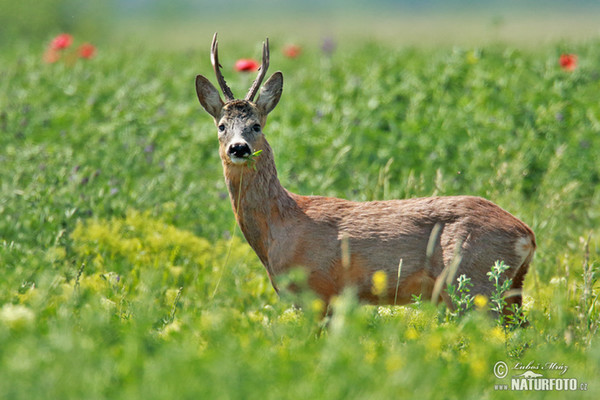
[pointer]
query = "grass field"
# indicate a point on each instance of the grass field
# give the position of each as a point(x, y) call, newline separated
point(123, 274)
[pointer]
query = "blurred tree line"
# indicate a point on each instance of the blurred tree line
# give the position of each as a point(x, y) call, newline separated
point(25, 20)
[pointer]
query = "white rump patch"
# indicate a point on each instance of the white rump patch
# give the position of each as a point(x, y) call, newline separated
point(523, 248)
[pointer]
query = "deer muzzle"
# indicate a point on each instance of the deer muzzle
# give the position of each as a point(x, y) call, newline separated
point(238, 152)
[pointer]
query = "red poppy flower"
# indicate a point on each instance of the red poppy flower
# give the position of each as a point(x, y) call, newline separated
point(292, 51)
point(62, 41)
point(568, 62)
point(246, 65)
point(86, 50)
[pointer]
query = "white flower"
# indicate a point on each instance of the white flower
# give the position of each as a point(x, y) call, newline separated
point(16, 315)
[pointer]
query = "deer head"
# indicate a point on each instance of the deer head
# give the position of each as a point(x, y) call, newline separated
point(239, 122)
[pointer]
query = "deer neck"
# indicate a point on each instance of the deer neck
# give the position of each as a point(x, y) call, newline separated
point(259, 201)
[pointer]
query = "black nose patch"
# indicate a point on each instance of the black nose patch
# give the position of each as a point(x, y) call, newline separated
point(239, 150)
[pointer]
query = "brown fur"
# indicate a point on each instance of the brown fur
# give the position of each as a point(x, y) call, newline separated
point(287, 230)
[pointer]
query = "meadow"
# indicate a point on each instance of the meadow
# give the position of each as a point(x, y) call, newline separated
point(123, 275)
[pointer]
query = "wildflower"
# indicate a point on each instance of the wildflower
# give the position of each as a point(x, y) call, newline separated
point(86, 51)
point(175, 270)
point(478, 366)
point(328, 46)
point(16, 316)
point(57, 49)
point(62, 41)
point(558, 281)
point(496, 335)
point(30, 296)
point(317, 306)
point(379, 280)
point(291, 315)
point(434, 344)
point(411, 333)
point(292, 51)
point(370, 351)
point(472, 57)
point(394, 362)
point(385, 312)
point(480, 301)
point(246, 65)
point(568, 62)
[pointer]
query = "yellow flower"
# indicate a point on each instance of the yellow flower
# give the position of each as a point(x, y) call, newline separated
point(497, 335)
point(480, 301)
point(93, 282)
point(379, 281)
point(472, 57)
point(411, 333)
point(291, 315)
point(478, 367)
point(30, 296)
point(175, 270)
point(370, 351)
point(434, 343)
point(317, 306)
point(394, 362)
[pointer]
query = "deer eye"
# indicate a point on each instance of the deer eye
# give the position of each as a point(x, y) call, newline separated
point(221, 128)
point(256, 128)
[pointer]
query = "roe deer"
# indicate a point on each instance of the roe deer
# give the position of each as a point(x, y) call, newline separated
point(287, 230)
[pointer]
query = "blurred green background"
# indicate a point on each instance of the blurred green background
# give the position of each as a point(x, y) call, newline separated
point(186, 23)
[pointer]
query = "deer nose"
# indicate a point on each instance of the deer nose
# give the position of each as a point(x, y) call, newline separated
point(239, 150)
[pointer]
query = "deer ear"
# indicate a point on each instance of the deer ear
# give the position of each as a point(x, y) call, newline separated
point(209, 96)
point(270, 93)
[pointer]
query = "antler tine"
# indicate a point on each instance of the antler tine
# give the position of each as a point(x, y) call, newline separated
point(214, 59)
point(261, 73)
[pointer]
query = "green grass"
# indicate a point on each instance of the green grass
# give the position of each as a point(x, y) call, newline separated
point(115, 229)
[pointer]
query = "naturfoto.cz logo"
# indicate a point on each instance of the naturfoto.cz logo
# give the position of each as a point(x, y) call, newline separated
point(531, 377)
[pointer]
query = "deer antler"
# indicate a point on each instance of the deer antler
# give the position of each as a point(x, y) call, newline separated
point(261, 72)
point(214, 59)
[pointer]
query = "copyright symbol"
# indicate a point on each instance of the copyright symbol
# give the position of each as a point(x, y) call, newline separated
point(500, 369)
